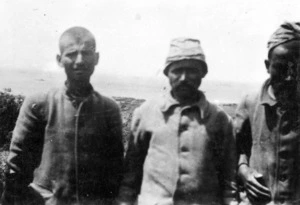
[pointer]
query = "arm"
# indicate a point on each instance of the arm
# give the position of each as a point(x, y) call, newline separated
point(24, 152)
point(116, 150)
point(256, 191)
point(134, 161)
point(227, 174)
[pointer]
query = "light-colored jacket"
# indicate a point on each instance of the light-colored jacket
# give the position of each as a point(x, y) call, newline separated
point(180, 155)
point(268, 141)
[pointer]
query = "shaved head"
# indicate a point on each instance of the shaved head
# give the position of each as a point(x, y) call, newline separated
point(79, 35)
point(78, 55)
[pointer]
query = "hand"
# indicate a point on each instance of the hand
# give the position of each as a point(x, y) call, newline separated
point(256, 190)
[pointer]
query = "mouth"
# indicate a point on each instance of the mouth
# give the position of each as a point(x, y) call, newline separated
point(184, 87)
point(80, 72)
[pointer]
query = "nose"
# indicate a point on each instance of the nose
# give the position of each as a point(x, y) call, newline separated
point(183, 76)
point(78, 59)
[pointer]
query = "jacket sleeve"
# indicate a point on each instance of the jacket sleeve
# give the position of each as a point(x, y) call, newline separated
point(116, 150)
point(242, 131)
point(134, 160)
point(227, 174)
point(24, 154)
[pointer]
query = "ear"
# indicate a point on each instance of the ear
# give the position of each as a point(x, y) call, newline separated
point(97, 56)
point(58, 60)
point(267, 64)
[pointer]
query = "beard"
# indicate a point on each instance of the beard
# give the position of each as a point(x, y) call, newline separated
point(185, 90)
point(285, 93)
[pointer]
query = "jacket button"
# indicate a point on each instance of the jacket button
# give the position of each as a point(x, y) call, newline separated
point(184, 149)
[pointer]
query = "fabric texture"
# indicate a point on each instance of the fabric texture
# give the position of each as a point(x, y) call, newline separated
point(268, 141)
point(287, 31)
point(180, 155)
point(69, 150)
point(185, 49)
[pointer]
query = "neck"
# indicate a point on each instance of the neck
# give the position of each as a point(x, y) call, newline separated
point(78, 89)
point(186, 100)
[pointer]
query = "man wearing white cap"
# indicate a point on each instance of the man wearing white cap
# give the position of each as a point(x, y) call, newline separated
point(267, 126)
point(181, 149)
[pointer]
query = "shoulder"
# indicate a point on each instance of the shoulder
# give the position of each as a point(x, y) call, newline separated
point(249, 99)
point(218, 113)
point(37, 102)
point(147, 114)
point(38, 98)
point(41, 97)
point(252, 98)
point(150, 106)
point(217, 120)
point(105, 100)
point(246, 108)
point(249, 102)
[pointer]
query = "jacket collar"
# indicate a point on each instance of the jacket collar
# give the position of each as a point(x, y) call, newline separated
point(76, 93)
point(75, 97)
point(202, 104)
point(265, 97)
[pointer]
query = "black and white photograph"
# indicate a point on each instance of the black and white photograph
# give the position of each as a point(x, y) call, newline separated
point(139, 102)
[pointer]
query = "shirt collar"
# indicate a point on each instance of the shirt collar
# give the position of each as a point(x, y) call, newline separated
point(202, 104)
point(266, 97)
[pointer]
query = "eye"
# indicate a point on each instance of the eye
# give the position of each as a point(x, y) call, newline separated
point(87, 53)
point(71, 54)
point(193, 71)
point(279, 67)
point(176, 71)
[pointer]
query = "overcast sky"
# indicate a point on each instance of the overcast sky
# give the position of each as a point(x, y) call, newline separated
point(133, 36)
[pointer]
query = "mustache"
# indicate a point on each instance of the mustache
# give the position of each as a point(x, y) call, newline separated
point(81, 67)
point(183, 84)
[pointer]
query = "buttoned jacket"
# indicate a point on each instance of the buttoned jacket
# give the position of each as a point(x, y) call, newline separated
point(71, 149)
point(268, 140)
point(180, 154)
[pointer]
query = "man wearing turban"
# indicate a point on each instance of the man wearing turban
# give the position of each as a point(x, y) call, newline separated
point(267, 126)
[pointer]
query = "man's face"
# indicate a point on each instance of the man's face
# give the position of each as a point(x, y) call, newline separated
point(185, 79)
point(282, 66)
point(78, 57)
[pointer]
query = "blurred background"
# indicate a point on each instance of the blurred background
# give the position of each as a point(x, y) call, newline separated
point(133, 40)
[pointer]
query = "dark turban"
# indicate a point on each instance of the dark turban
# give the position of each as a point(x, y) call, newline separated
point(287, 31)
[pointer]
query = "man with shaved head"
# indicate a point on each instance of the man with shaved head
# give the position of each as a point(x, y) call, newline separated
point(267, 126)
point(67, 144)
